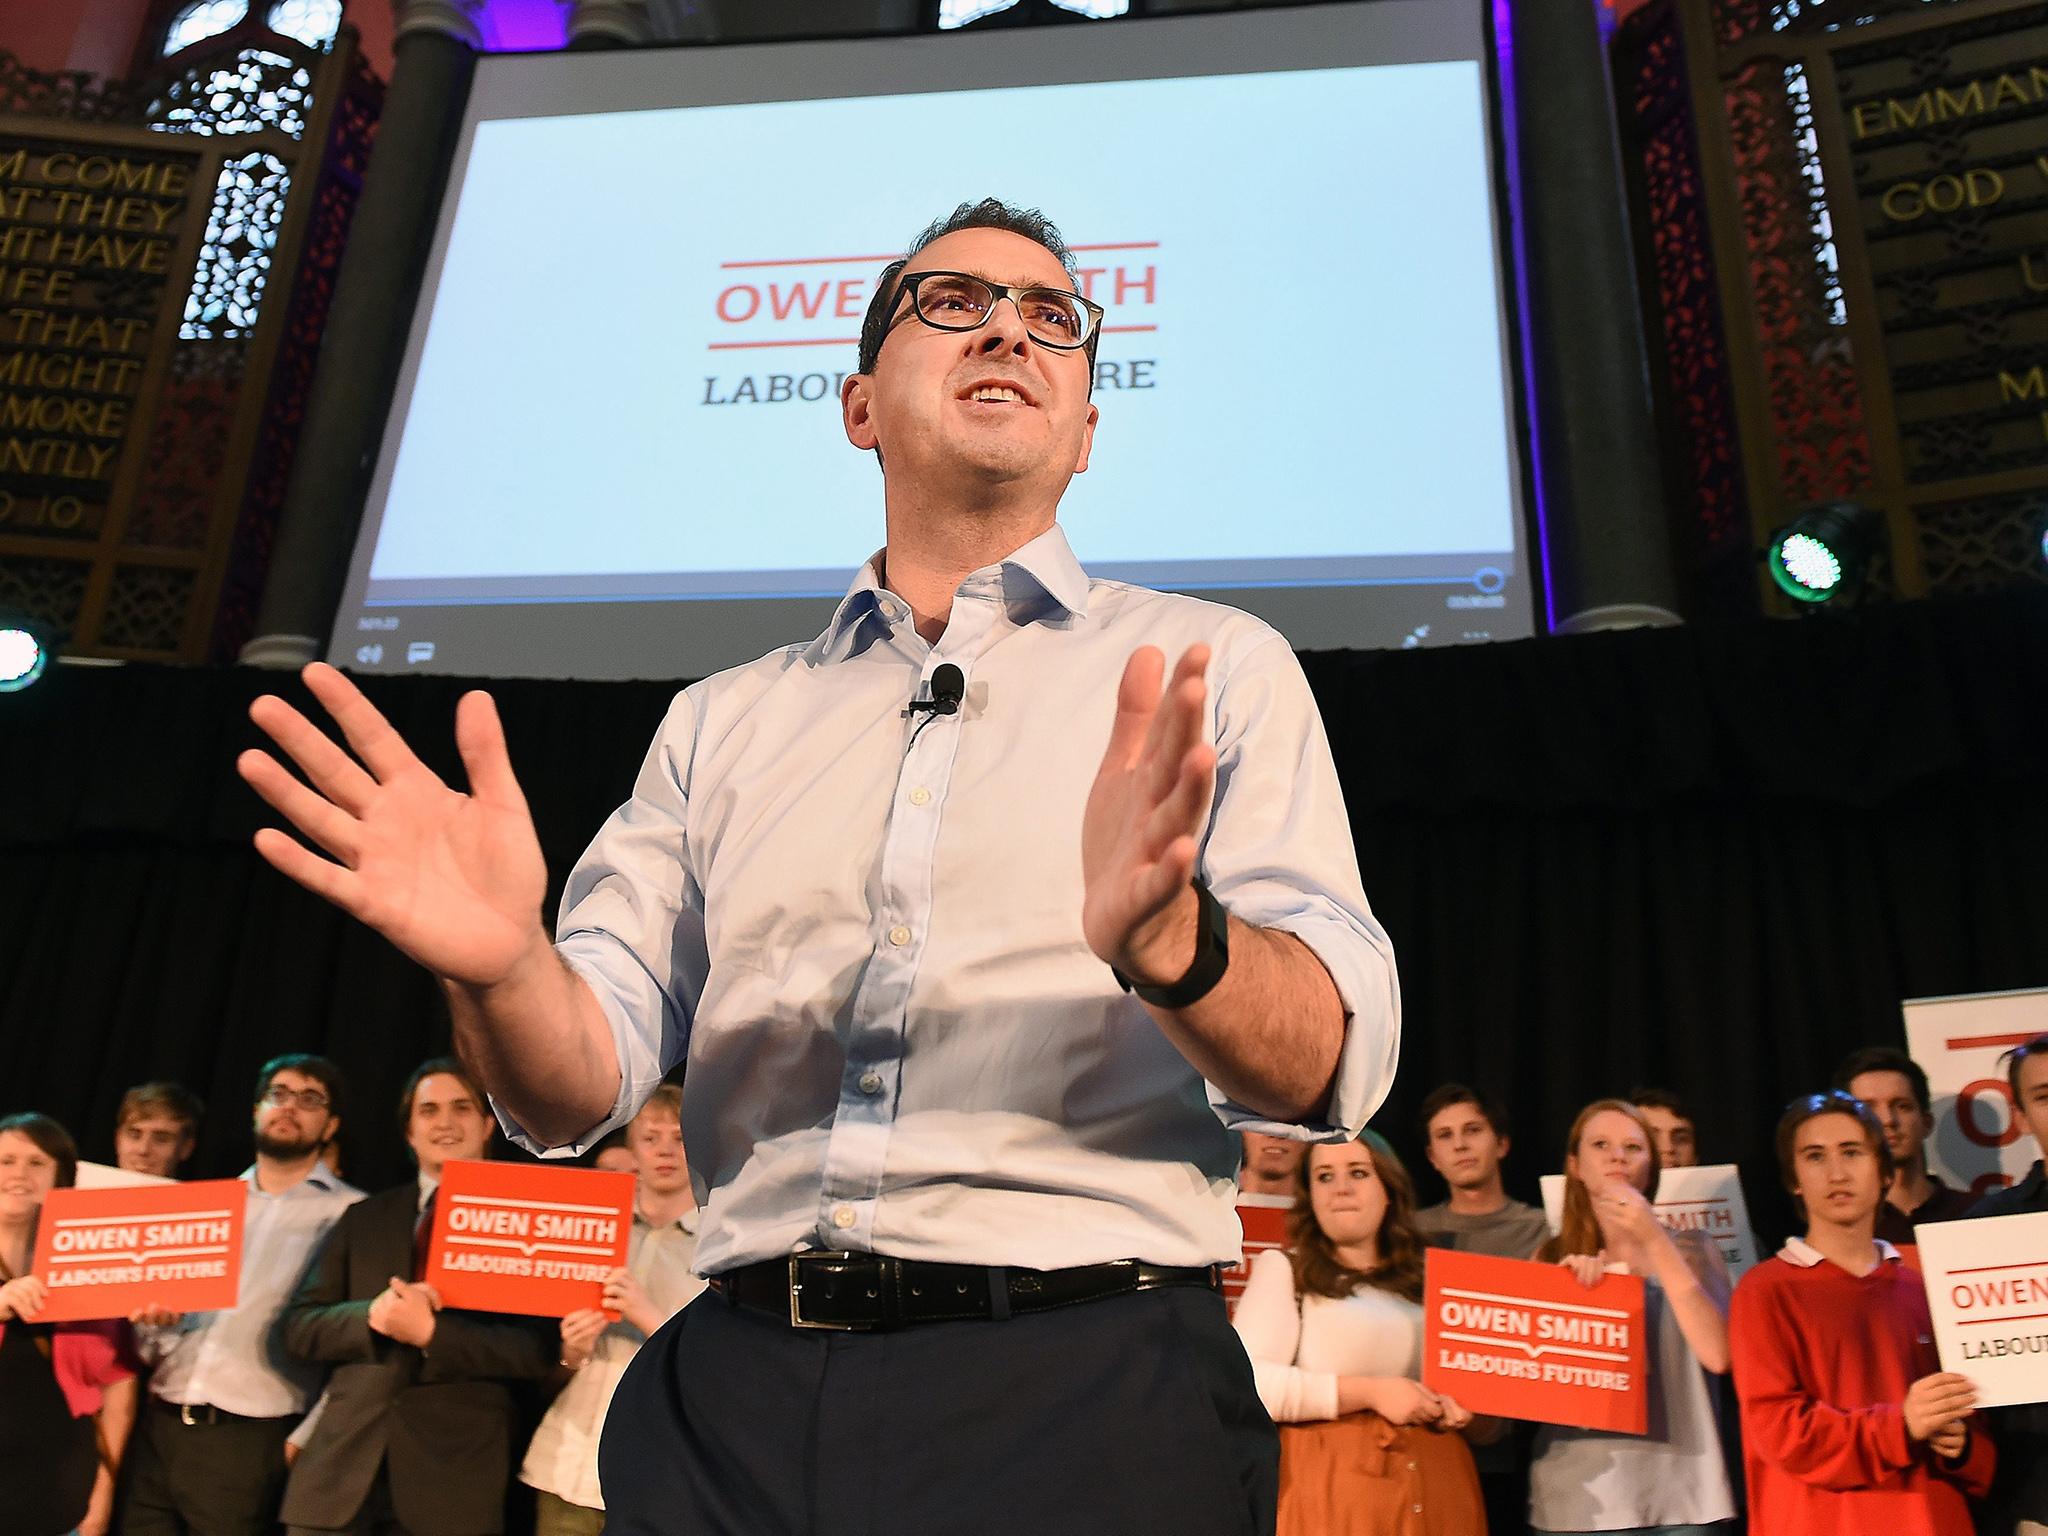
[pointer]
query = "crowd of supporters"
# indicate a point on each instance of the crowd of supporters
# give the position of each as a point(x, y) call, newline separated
point(1805, 1401)
point(341, 1395)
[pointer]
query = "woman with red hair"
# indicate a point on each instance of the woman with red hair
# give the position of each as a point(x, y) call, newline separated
point(1334, 1331)
point(1675, 1478)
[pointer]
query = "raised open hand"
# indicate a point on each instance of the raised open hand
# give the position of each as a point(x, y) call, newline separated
point(454, 880)
point(1140, 832)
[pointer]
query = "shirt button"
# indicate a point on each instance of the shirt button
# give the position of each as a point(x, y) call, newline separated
point(899, 935)
point(920, 796)
point(843, 1217)
point(871, 1082)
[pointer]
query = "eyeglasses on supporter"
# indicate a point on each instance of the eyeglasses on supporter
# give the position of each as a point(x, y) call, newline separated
point(281, 1097)
point(960, 301)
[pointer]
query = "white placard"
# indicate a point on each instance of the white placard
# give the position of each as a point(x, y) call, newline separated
point(1979, 1140)
point(1706, 1199)
point(1987, 1286)
point(107, 1176)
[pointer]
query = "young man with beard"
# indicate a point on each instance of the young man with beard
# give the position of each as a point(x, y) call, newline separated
point(655, 1285)
point(415, 1430)
point(2018, 1505)
point(156, 1129)
point(1895, 1087)
point(1849, 1425)
point(209, 1455)
point(973, 995)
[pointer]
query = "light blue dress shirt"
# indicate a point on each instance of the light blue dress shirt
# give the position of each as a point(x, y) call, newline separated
point(232, 1359)
point(863, 930)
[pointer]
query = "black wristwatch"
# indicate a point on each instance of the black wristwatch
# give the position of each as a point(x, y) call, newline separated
point(1212, 958)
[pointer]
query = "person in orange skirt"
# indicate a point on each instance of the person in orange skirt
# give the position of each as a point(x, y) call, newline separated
point(1334, 1330)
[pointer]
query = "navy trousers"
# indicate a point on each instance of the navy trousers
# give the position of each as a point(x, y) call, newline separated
point(1130, 1415)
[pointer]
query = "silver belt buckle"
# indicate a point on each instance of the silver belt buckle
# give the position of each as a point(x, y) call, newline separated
point(796, 1317)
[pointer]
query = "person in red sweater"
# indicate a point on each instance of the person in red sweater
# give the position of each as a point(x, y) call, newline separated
point(1849, 1426)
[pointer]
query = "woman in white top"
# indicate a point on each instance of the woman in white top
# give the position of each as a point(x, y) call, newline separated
point(1334, 1331)
point(1673, 1480)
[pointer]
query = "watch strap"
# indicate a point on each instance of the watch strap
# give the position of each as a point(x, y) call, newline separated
point(1212, 958)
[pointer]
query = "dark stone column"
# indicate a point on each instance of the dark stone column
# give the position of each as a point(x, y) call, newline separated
point(610, 23)
point(435, 54)
point(1606, 524)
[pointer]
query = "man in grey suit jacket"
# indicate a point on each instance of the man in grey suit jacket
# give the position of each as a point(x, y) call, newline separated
point(414, 1433)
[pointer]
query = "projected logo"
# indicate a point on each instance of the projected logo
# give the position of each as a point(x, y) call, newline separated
point(779, 321)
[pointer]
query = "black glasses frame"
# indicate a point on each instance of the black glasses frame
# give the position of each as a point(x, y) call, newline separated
point(1091, 311)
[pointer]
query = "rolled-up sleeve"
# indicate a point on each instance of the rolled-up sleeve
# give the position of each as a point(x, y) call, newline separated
point(1279, 855)
point(632, 927)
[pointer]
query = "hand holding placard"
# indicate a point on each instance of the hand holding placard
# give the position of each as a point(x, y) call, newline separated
point(164, 1247)
point(1934, 1403)
point(528, 1238)
point(1987, 1291)
point(1522, 1340)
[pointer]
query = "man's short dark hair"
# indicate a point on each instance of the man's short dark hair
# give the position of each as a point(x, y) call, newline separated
point(1661, 1098)
point(1458, 1093)
point(171, 1100)
point(2038, 1046)
point(1885, 1058)
point(989, 213)
point(428, 1068)
point(1836, 1101)
point(318, 1068)
point(51, 1139)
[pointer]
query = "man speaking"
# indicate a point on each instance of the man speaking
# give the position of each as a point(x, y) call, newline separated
point(980, 935)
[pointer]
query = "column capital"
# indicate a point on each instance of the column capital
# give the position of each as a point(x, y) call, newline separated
point(459, 19)
point(609, 21)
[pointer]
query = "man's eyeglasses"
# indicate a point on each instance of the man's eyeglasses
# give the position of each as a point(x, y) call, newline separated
point(959, 301)
point(281, 1097)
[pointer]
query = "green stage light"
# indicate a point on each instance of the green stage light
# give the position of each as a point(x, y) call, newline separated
point(1824, 553)
point(23, 653)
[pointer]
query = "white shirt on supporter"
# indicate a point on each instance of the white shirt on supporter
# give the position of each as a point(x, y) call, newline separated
point(1300, 1344)
point(227, 1359)
point(862, 931)
point(563, 1457)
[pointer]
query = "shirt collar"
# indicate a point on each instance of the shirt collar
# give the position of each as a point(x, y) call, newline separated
point(1043, 569)
point(427, 1188)
point(322, 1178)
point(1799, 1251)
point(687, 1222)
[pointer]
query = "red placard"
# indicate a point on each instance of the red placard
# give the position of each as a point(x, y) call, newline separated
point(527, 1237)
point(1264, 1218)
point(109, 1252)
point(1527, 1341)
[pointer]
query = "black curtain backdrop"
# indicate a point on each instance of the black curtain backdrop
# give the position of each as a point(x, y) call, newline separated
point(1714, 859)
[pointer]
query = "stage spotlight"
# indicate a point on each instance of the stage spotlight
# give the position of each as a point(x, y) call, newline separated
point(23, 652)
point(1824, 553)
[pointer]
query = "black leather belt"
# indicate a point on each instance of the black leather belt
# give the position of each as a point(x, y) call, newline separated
point(206, 1413)
point(866, 1292)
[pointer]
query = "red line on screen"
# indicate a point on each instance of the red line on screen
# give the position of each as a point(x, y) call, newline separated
point(841, 261)
point(741, 346)
point(848, 341)
point(1978, 1042)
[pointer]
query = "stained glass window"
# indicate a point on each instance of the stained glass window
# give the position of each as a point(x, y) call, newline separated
point(312, 22)
point(234, 262)
point(202, 19)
